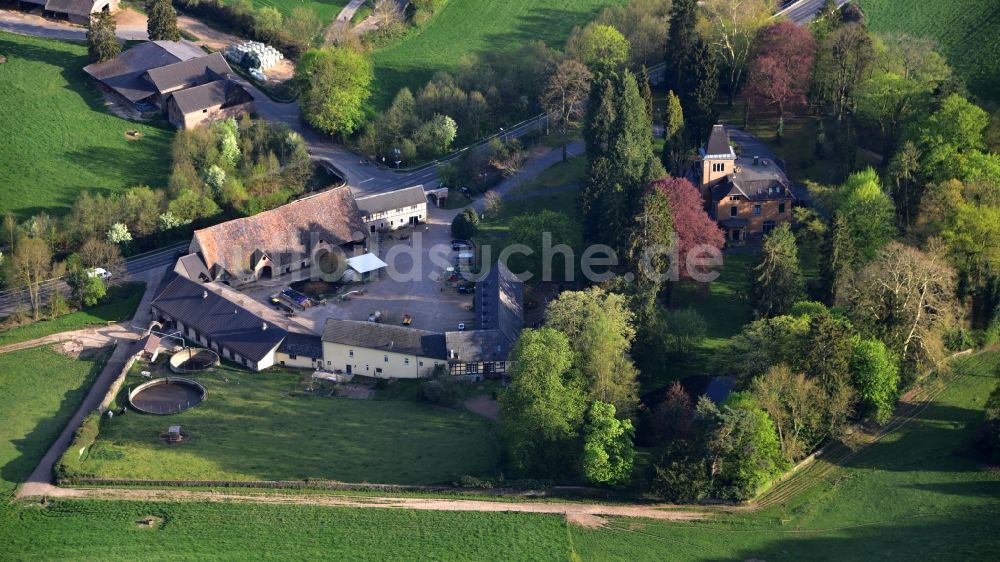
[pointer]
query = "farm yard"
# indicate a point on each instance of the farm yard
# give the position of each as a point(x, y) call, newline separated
point(56, 137)
point(270, 426)
point(470, 26)
point(39, 391)
point(967, 31)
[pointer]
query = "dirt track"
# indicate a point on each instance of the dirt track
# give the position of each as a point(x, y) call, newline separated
point(587, 514)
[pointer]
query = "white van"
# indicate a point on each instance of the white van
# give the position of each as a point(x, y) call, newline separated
point(99, 272)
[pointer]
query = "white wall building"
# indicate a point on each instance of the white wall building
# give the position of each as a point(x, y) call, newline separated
point(395, 209)
point(381, 350)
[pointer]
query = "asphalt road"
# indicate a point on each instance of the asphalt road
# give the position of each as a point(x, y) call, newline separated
point(803, 11)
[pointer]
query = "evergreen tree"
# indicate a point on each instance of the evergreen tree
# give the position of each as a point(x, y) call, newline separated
point(162, 23)
point(680, 40)
point(699, 88)
point(102, 39)
point(673, 135)
point(644, 90)
point(840, 257)
point(620, 160)
point(778, 284)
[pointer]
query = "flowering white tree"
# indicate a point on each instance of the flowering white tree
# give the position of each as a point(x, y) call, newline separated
point(119, 233)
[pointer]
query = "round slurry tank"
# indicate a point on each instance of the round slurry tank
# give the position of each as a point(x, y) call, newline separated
point(171, 395)
point(193, 359)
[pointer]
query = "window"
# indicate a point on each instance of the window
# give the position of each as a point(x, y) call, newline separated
point(406, 361)
point(385, 358)
point(378, 370)
point(781, 207)
point(733, 211)
point(350, 353)
point(734, 197)
point(421, 363)
point(718, 166)
point(768, 227)
point(292, 357)
point(756, 209)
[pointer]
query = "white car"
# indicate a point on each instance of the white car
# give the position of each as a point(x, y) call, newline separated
point(99, 272)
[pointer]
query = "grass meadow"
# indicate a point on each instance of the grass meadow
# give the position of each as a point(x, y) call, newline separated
point(39, 391)
point(57, 139)
point(470, 26)
point(268, 426)
point(325, 9)
point(119, 305)
point(968, 32)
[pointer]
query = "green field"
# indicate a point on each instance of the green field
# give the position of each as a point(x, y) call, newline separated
point(120, 304)
point(56, 139)
point(471, 26)
point(39, 391)
point(968, 32)
point(268, 426)
point(325, 9)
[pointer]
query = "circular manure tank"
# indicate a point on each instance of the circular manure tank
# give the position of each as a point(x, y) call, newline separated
point(193, 360)
point(170, 395)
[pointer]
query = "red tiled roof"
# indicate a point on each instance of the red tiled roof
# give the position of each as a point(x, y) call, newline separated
point(331, 217)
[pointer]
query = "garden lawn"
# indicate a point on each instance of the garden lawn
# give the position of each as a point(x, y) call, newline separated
point(471, 26)
point(56, 137)
point(968, 32)
point(325, 9)
point(267, 426)
point(119, 305)
point(39, 391)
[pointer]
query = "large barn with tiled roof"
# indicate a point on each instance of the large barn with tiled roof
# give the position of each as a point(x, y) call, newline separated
point(283, 240)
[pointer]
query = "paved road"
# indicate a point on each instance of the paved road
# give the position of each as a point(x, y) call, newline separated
point(803, 11)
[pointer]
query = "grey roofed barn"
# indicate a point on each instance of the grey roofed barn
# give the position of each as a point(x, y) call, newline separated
point(499, 302)
point(75, 7)
point(385, 202)
point(125, 73)
point(219, 319)
point(302, 345)
point(222, 93)
point(385, 337)
point(190, 72)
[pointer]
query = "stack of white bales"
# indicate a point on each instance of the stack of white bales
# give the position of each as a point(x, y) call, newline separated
point(266, 54)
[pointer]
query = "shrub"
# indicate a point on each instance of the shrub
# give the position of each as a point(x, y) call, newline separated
point(84, 436)
point(465, 225)
point(442, 390)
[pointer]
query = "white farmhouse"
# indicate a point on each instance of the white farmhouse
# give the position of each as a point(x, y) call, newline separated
point(395, 209)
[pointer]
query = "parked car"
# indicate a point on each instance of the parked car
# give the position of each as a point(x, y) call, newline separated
point(461, 245)
point(99, 272)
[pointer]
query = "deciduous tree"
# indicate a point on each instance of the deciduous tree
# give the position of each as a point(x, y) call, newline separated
point(876, 379)
point(869, 212)
point(600, 329)
point(732, 27)
point(565, 96)
point(780, 73)
point(792, 401)
point(335, 84)
point(28, 265)
point(693, 227)
point(608, 452)
point(542, 409)
point(601, 47)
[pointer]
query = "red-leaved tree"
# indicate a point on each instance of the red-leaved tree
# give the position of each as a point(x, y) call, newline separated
point(781, 71)
point(693, 225)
